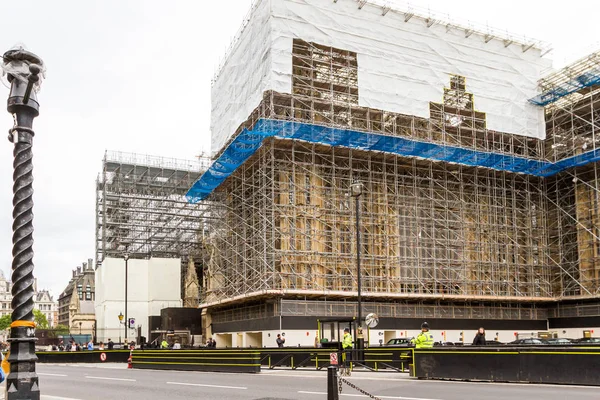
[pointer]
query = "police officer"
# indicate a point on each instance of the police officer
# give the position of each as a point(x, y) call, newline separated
point(347, 340)
point(425, 339)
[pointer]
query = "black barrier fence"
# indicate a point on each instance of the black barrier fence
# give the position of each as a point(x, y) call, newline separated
point(558, 365)
point(246, 361)
point(73, 357)
point(375, 359)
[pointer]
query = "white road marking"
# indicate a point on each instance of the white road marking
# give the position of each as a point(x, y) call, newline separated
point(46, 374)
point(46, 397)
point(362, 395)
point(202, 385)
point(111, 379)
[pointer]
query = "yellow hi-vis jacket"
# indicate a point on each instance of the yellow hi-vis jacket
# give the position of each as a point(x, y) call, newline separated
point(347, 341)
point(423, 341)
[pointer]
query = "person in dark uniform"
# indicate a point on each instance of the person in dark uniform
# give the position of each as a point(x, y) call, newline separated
point(479, 339)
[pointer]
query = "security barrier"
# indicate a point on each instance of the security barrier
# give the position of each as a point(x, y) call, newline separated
point(375, 358)
point(198, 360)
point(540, 364)
point(73, 357)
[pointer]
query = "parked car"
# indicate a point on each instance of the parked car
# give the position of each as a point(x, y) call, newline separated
point(398, 342)
point(528, 342)
point(559, 341)
point(587, 340)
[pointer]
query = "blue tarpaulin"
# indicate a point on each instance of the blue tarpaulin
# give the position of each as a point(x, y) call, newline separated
point(249, 141)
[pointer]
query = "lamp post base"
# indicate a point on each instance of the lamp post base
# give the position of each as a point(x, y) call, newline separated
point(22, 382)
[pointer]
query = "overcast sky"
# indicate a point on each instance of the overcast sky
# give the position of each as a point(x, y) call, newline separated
point(135, 76)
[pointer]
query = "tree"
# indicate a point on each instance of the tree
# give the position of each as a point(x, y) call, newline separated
point(40, 319)
point(5, 322)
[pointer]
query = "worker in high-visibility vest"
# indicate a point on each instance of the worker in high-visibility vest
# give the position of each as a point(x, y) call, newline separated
point(425, 339)
point(346, 346)
point(347, 340)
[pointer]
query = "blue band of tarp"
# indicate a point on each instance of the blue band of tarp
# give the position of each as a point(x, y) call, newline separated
point(248, 142)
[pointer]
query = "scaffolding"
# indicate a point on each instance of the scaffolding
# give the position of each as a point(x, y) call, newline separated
point(437, 222)
point(140, 203)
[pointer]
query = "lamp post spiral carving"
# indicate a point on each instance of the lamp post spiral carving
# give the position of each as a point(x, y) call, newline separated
point(23, 70)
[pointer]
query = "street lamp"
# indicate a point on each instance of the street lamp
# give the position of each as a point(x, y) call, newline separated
point(356, 189)
point(23, 71)
point(120, 322)
point(126, 258)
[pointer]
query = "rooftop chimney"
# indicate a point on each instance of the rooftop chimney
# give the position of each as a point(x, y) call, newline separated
point(74, 273)
point(78, 271)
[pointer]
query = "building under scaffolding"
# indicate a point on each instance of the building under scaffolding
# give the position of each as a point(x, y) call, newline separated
point(473, 208)
point(141, 205)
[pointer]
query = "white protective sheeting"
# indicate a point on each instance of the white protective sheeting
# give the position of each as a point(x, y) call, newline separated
point(244, 77)
point(402, 65)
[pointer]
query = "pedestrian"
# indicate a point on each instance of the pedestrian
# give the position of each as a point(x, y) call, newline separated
point(61, 345)
point(479, 339)
point(280, 341)
point(177, 345)
point(164, 344)
point(69, 346)
point(101, 346)
point(90, 345)
point(425, 339)
point(111, 345)
point(213, 343)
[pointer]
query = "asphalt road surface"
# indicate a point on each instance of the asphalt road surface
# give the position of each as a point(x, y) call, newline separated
point(91, 382)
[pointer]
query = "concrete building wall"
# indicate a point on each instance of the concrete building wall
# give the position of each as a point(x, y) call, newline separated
point(152, 285)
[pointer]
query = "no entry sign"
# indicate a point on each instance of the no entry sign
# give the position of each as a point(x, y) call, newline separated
point(333, 359)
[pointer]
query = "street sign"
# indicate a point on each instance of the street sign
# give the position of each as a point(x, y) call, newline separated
point(333, 359)
point(102, 357)
point(131, 322)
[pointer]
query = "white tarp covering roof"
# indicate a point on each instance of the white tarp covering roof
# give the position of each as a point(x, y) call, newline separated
point(403, 64)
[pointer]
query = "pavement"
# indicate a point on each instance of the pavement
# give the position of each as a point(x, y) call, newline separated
point(115, 381)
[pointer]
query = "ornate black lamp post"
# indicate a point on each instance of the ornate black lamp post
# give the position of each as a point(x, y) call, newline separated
point(23, 70)
point(356, 189)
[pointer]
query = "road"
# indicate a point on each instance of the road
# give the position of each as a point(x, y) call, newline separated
point(95, 382)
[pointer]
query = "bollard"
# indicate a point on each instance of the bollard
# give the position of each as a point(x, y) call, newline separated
point(332, 383)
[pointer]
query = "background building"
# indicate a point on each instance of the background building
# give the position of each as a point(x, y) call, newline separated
point(141, 210)
point(479, 173)
point(5, 295)
point(47, 306)
point(76, 303)
point(153, 284)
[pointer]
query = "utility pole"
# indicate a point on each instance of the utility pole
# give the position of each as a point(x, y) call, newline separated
point(24, 71)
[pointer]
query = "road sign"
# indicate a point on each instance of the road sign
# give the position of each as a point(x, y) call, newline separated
point(333, 359)
point(131, 322)
point(103, 357)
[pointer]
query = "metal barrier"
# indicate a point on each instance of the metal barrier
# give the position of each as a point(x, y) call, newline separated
point(247, 361)
point(74, 357)
point(375, 358)
point(540, 364)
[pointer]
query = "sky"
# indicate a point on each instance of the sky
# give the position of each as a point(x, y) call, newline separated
point(134, 76)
